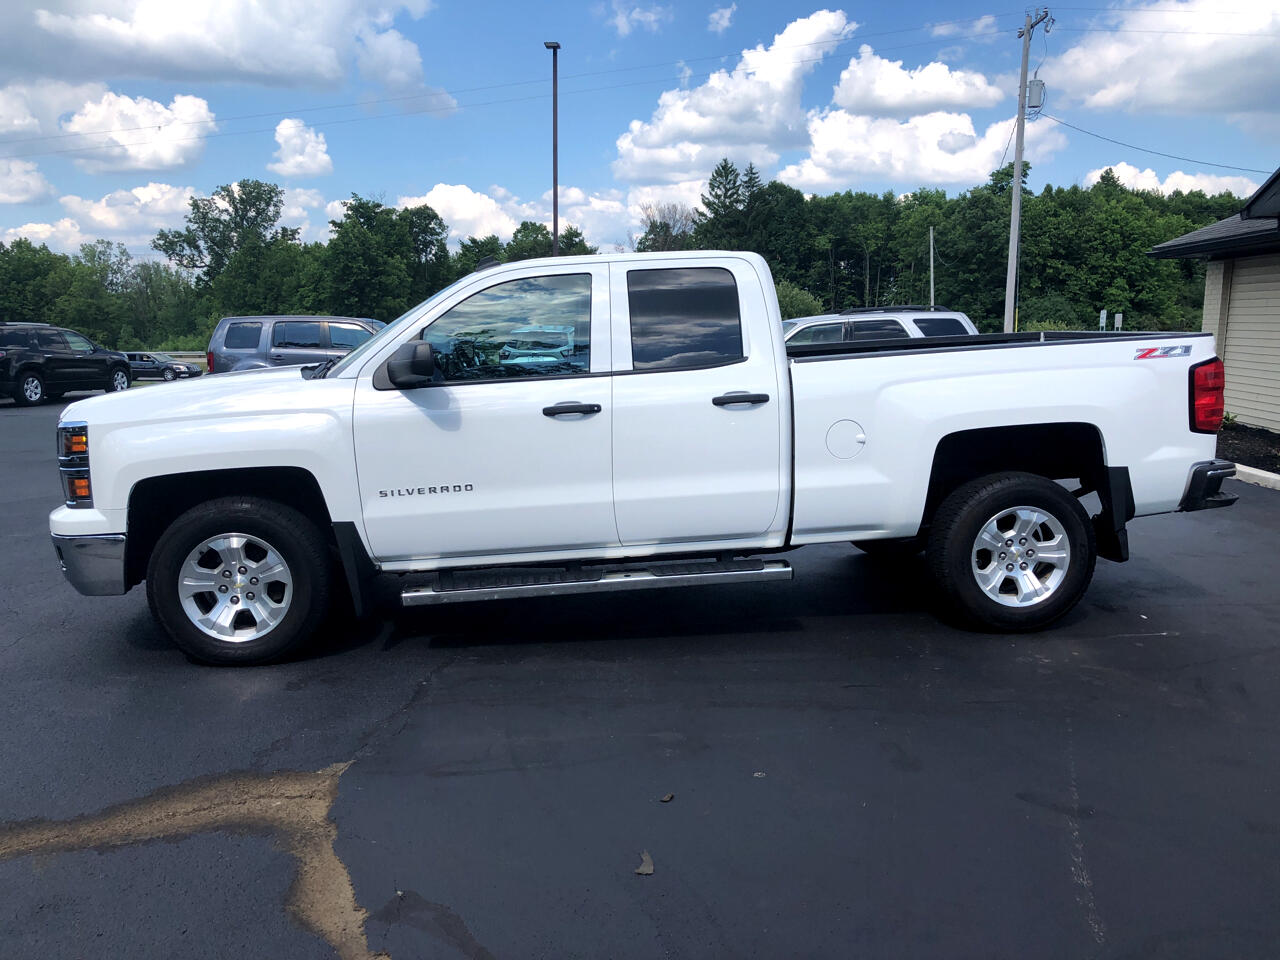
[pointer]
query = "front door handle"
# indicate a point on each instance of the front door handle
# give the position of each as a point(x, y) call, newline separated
point(563, 409)
point(752, 398)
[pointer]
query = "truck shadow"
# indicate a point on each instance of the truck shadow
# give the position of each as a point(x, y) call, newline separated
point(850, 594)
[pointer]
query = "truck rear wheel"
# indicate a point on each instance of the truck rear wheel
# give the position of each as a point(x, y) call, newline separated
point(1011, 552)
point(239, 580)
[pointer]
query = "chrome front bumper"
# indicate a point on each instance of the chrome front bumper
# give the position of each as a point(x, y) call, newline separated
point(94, 565)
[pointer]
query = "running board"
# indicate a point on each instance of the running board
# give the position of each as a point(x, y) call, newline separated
point(462, 586)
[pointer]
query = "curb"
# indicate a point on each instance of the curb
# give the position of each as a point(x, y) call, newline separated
point(1261, 478)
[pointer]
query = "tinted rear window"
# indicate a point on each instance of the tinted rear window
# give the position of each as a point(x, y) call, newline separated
point(941, 326)
point(877, 330)
point(242, 336)
point(296, 333)
point(13, 338)
point(684, 317)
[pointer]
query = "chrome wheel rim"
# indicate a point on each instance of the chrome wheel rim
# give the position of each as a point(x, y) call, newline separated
point(32, 389)
point(168, 374)
point(1021, 556)
point(120, 380)
point(235, 587)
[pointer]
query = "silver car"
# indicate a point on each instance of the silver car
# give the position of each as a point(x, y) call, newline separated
point(249, 343)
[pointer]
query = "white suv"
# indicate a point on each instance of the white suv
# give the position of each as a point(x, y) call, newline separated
point(878, 323)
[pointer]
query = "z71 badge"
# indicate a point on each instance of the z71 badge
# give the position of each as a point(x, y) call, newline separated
point(1156, 353)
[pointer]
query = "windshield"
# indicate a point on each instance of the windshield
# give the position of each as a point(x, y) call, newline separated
point(356, 355)
point(162, 357)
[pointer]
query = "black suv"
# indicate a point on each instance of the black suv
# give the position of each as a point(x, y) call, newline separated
point(39, 362)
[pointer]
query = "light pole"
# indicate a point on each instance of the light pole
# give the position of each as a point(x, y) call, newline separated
point(555, 146)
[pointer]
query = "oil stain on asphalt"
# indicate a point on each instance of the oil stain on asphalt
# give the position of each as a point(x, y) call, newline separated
point(293, 807)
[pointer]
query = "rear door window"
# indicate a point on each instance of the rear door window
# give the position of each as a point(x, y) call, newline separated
point(345, 336)
point(13, 338)
point(819, 333)
point(243, 336)
point(296, 333)
point(51, 340)
point(941, 327)
point(876, 330)
point(683, 317)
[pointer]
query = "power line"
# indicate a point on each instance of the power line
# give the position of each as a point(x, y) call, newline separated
point(1158, 153)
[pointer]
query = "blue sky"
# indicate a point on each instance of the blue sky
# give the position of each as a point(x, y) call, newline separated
point(113, 114)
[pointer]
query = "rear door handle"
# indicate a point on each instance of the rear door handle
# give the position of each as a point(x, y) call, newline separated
point(563, 409)
point(752, 398)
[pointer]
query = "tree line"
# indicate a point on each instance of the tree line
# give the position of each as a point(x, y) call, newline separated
point(1083, 249)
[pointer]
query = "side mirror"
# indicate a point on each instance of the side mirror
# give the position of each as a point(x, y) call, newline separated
point(413, 365)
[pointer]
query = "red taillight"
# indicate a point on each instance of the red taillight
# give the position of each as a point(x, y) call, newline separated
point(1208, 383)
point(208, 359)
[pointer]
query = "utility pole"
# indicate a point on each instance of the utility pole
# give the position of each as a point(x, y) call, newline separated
point(1015, 215)
point(555, 142)
point(931, 266)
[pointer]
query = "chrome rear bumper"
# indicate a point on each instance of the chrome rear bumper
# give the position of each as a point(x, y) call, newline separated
point(94, 565)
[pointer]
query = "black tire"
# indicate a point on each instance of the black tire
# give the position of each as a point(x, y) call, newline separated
point(168, 374)
point(952, 542)
point(29, 389)
point(899, 548)
point(292, 535)
point(113, 383)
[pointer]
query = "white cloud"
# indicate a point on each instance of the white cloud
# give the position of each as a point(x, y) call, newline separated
point(1148, 179)
point(33, 107)
point(301, 152)
point(1169, 59)
point(63, 236)
point(21, 182)
point(937, 147)
point(871, 84)
point(121, 133)
point(468, 213)
point(337, 209)
point(964, 28)
point(129, 214)
point(389, 58)
point(721, 18)
point(221, 40)
point(627, 16)
point(747, 114)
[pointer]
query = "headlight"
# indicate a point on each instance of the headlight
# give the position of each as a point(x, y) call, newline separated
point(73, 463)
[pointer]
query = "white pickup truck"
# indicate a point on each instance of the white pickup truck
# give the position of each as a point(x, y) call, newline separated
point(679, 442)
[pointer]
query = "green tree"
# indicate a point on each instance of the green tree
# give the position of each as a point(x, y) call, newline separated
point(529, 240)
point(795, 301)
point(473, 250)
point(245, 213)
point(721, 224)
point(369, 262)
point(574, 244)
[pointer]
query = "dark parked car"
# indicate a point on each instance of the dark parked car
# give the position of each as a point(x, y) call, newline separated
point(39, 362)
point(248, 343)
point(161, 366)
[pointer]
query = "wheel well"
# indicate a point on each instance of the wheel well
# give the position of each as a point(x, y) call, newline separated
point(1058, 451)
point(156, 502)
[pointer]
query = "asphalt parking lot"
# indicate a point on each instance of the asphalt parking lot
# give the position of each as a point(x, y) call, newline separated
point(849, 777)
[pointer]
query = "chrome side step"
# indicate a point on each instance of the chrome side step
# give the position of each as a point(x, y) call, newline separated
point(459, 587)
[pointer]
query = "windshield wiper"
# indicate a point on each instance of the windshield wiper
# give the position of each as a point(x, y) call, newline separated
point(318, 372)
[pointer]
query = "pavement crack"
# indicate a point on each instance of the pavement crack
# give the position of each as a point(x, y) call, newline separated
point(293, 806)
point(421, 693)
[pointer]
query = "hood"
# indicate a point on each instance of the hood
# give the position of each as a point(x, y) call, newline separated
point(245, 392)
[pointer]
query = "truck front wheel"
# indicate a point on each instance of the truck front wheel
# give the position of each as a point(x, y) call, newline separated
point(1011, 551)
point(239, 580)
